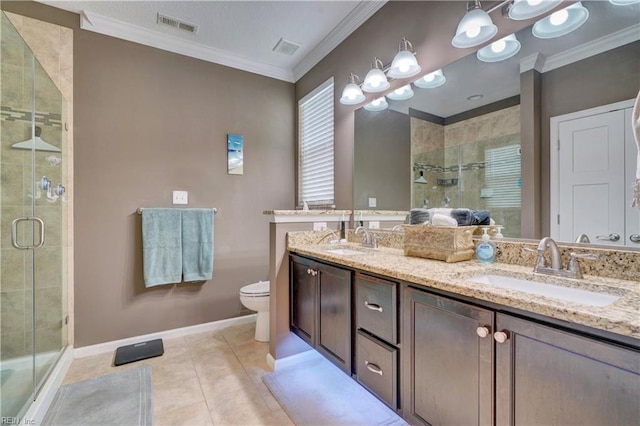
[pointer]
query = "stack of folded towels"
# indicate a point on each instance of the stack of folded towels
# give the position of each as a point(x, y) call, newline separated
point(450, 217)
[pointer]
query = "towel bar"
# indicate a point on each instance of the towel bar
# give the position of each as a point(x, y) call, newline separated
point(139, 211)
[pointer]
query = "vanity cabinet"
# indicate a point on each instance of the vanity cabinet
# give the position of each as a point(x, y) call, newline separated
point(448, 366)
point(551, 376)
point(377, 352)
point(321, 308)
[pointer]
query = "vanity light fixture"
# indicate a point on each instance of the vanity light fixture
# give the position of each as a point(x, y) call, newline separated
point(475, 28)
point(421, 179)
point(499, 50)
point(431, 80)
point(404, 64)
point(623, 2)
point(527, 9)
point(401, 93)
point(352, 94)
point(561, 22)
point(379, 104)
point(376, 79)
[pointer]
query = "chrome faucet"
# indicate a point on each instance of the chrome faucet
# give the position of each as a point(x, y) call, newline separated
point(368, 239)
point(573, 267)
point(541, 263)
point(583, 238)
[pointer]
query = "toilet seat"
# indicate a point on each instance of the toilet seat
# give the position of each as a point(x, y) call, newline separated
point(259, 289)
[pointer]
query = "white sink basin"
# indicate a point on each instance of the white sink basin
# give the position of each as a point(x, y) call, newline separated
point(575, 295)
point(344, 251)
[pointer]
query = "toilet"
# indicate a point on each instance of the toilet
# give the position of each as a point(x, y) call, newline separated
point(256, 297)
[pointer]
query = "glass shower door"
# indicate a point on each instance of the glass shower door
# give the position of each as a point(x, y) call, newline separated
point(16, 278)
point(32, 211)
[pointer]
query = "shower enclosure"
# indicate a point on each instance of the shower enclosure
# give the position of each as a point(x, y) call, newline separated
point(33, 212)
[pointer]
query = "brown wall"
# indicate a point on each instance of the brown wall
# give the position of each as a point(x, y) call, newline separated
point(602, 79)
point(148, 122)
point(382, 163)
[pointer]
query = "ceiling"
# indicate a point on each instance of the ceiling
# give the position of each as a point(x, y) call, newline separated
point(240, 34)
point(608, 27)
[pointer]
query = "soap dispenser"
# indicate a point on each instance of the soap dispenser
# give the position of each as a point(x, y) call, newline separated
point(485, 251)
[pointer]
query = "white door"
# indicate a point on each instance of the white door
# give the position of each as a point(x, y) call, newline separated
point(632, 234)
point(591, 176)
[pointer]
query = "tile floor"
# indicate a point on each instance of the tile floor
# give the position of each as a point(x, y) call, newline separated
point(212, 378)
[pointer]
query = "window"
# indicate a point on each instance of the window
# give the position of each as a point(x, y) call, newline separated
point(315, 146)
point(503, 176)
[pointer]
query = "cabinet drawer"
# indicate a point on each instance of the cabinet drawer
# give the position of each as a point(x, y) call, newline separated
point(376, 307)
point(377, 368)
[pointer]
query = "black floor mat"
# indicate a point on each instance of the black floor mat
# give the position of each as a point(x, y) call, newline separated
point(138, 351)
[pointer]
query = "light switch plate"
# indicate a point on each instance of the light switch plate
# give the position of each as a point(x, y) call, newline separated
point(374, 224)
point(180, 197)
point(373, 202)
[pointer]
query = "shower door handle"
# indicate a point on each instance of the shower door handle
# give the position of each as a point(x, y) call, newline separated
point(14, 232)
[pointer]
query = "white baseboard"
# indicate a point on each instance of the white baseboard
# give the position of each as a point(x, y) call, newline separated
point(36, 412)
point(105, 347)
point(291, 360)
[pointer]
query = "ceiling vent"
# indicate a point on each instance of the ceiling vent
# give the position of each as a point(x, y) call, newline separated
point(177, 24)
point(286, 47)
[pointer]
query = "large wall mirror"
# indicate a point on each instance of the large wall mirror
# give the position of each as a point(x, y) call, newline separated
point(458, 144)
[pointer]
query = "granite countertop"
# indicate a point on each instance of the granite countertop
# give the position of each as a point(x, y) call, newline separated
point(621, 317)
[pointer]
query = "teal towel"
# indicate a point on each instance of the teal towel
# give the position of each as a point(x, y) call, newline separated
point(197, 244)
point(161, 246)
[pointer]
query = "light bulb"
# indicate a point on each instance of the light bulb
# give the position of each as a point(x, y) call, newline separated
point(375, 102)
point(534, 2)
point(429, 77)
point(559, 17)
point(399, 91)
point(404, 67)
point(473, 31)
point(351, 96)
point(498, 46)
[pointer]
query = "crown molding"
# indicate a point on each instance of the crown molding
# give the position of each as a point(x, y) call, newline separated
point(115, 28)
point(349, 24)
point(534, 61)
point(592, 48)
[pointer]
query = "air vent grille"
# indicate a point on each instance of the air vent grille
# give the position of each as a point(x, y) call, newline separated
point(177, 24)
point(286, 47)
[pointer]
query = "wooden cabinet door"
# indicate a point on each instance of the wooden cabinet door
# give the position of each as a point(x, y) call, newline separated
point(553, 377)
point(447, 367)
point(303, 293)
point(334, 324)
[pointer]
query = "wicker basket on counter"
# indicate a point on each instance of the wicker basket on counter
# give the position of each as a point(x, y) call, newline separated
point(448, 243)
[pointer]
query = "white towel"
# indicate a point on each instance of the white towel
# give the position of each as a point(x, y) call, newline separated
point(635, 123)
point(442, 220)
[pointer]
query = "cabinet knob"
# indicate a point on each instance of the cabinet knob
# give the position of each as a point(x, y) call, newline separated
point(314, 272)
point(373, 306)
point(483, 332)
point(373, 367)
point(500, 336)
point(308, 271)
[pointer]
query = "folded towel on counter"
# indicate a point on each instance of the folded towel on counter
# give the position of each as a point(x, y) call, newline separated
point(481, 217)
point(197, 244)
point(464, 217)
point(161, 246)
point(418, 216)
point(443, 220)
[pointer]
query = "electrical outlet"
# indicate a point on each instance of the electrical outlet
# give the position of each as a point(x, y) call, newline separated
point(373, 202)
point(374, 224)
point(180, 197)
point(319, 226)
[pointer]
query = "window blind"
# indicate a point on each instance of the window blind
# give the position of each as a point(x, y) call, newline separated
point(503, 176)
point(315, 146)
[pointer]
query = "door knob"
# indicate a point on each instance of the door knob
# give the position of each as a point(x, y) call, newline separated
point(500, 336)
point(634, 238)
point(610, 237)
point(483, 332)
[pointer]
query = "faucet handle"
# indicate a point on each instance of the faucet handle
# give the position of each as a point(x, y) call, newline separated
point(528, 250)
point(574, 266)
